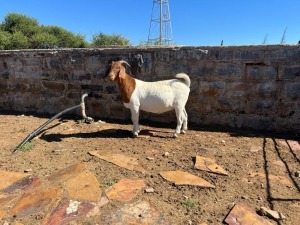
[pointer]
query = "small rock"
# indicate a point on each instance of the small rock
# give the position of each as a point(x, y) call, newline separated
point(27, 170)
point(2, 162)
point(259, 199)
point(297, 174)
point(39, 216)
point(58, 150)
point(149, 190)
point(271, 214)
point(73, 207)
point(255, 148)
point(166, 154)
point(150, 158)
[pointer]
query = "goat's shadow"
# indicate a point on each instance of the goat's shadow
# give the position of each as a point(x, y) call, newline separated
point(108, 133)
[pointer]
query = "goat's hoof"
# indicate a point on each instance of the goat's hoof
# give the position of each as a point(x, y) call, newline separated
point(175, 135)
point(183, 131)
point(135, 135)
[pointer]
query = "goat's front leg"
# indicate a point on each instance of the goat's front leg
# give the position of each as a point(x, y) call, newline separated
point(135, 120)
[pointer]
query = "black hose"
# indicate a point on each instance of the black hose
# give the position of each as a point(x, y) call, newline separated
point(36, 131)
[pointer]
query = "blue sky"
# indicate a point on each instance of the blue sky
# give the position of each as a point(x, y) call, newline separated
point(194, 22)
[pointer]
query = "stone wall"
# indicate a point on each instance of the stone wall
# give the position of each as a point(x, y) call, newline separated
point(256, 87)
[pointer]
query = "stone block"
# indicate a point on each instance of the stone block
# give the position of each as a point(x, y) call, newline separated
point(229, 71)
point(97, 108)
point(117, 111)
point(283, 54)
point(92, 87)
point(261, 72)
point(267, 89)
point(93, 64)
point(292, 91)
point(204, 70)
point(249, 55)
point(263, 106)
point(53, 85)
point(222, 55)
point(289, 73)
point(4, 75)
point(111, 89)
point(239, 90)
point(20, 86)
point(55, 64)
point(72, 62)
point(223, 104)
point(3, 66)
point(33, 61)
point(57, 76)
point(212, 88)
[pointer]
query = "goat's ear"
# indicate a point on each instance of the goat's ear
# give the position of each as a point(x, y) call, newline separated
point(122, 73)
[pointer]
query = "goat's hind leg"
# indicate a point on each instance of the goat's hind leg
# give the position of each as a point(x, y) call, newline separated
point(180, 116)
point(185, 122)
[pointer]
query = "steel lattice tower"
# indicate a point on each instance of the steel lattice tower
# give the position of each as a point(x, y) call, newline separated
point(160, 31)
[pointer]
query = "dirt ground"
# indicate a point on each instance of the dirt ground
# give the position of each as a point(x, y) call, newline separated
point(262, 167)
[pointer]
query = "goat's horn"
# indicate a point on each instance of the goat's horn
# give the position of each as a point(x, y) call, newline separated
point(123, 61)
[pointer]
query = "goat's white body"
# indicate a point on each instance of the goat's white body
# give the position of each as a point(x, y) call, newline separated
point(160, 97)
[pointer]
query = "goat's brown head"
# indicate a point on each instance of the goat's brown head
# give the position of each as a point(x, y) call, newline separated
point(117, 70)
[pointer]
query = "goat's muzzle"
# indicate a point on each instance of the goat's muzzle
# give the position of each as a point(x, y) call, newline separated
point(112, 76)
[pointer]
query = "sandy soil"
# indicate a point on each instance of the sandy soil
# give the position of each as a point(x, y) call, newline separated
point(251, 160)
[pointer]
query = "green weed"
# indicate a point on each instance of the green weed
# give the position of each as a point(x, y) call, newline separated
point(28, 146)
point(107, 183)
point(189, 203)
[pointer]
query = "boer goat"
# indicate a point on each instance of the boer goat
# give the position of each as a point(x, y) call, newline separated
point(154, 97)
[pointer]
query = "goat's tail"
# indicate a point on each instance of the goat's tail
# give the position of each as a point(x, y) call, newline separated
point(185, 77)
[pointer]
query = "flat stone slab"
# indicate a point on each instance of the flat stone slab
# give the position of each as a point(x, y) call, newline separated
point(244, 215)
point(66, 211)
point(179, 177)
point(6, 199)
point(118, 159)
point(84, 187)
point(2, 213)
point(67, 173)
point(271, 214)
point(96, 210)
point(35, 201)
point(125, 190)
point(210, 165)
point(140, 212)
point(10, 181)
